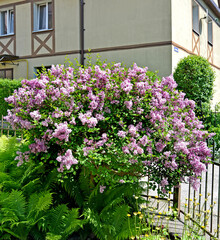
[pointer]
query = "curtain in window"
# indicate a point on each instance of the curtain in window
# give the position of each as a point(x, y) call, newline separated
point(42, 17)
point(11, 21)
point(4, 22)
point(210, 32)
point(49, 15)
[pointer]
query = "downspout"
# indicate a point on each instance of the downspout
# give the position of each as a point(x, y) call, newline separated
point(82, 32)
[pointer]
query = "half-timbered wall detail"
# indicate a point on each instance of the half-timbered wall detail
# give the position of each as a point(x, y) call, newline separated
point(43, 43)
point(195, 43)
point(7, 45)
point(210, 53)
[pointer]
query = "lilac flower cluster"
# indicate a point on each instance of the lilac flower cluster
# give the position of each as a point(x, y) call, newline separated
point(113, 121)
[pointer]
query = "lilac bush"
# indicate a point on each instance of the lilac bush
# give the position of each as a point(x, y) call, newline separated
point(119, 124)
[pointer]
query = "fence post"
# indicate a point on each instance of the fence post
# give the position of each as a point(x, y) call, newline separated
point(177, 198)
point(2, 125)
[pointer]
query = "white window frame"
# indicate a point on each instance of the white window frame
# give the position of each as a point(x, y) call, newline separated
point(37, 16)
point(9, 22)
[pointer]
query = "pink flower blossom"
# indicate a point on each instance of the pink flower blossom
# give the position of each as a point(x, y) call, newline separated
point(122, 134)
point(62, 131)
point(102, 188)
point(67, 160)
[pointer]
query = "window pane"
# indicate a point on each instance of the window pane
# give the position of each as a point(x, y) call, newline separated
point(11, 21)
point(49, 15)
point(4, 22)
point(196, 18)
point(2, 73)
point(210, 32)
point(42, 17)
point(9, 73)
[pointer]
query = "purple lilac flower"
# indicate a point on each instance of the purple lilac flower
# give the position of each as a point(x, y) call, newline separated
point(62, 131)
point(122, 134)
point(67, 160)
point(102, 189)
point(35, 115)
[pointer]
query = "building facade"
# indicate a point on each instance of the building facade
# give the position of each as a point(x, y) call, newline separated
point(153, 33)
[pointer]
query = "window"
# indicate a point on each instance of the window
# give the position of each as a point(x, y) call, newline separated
point(6, 73)
point(210, 31)
point(43, 16)
point(7, 22)
point(38, 70)
point(195, 16)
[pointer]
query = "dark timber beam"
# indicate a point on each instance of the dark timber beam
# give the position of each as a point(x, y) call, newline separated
point(82, 51)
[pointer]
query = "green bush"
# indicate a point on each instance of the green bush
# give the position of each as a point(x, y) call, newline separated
point(195, 77)
point(7, 87)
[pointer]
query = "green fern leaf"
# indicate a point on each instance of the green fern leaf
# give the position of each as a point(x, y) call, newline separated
point(4, 177)
point(56, 219)
point(51, 236)
point(15, 202)
point(72, 223)
point(39, 202)
point(31, 186)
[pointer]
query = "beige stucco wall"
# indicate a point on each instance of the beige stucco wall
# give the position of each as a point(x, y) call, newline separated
point(23, 29)
point(126, 22)
point(155, 58)
point(216, 44)
point(5, 2)
point(176, 56)
point(182, 22)
point(66, 25)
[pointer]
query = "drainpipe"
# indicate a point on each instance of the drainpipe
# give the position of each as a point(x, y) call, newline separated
point(82, 32)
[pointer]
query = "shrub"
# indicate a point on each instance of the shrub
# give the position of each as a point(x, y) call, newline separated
point(7, 87)
point(195, 77)
point(117, 124)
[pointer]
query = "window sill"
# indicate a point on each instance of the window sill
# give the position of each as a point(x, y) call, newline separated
point(211, 44)
point(43, 30)
point(196, 32)
point(7, 35)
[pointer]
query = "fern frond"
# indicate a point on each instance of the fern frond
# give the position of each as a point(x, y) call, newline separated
point(51, 236)
point(36, 234)
point(33, 171)
point(4, 177)
point(39, 202)
point(73, 189)
point(31, 186)
point(86, 182)
point(56, 219)
point(15, 202)
point(3, 196)
point(9, 185)
point(119, 217)
point(102, 231)
point(72, 223)
point(50, 179)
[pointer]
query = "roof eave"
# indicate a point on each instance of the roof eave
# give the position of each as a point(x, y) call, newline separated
point(211, 4)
